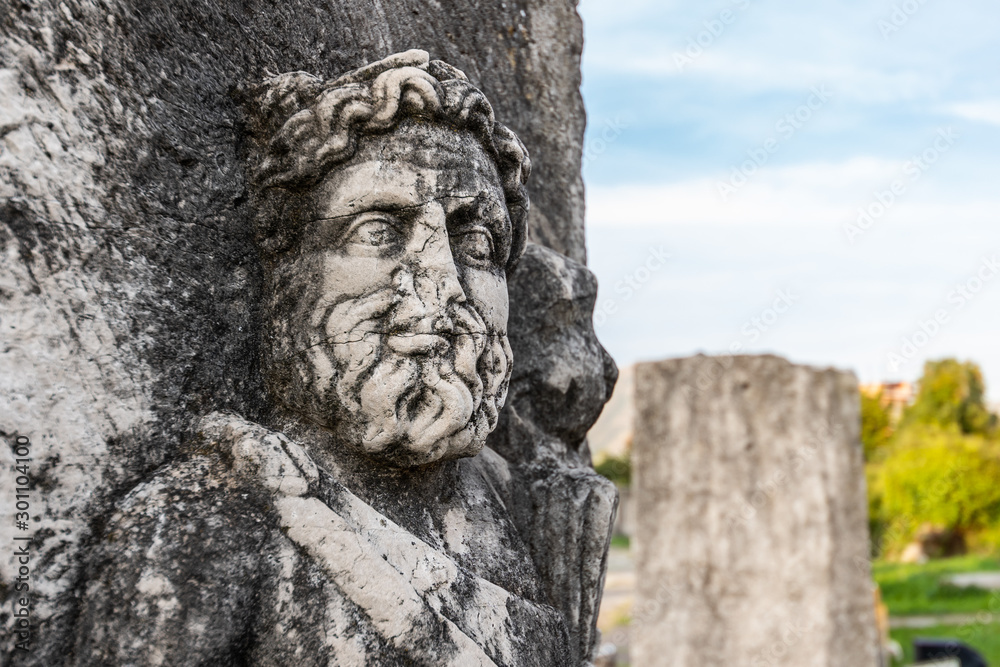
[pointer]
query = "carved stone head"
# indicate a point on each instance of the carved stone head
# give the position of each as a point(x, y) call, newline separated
point(390, 207)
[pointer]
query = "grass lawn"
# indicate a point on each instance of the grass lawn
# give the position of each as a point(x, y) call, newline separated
point(983, 638)
point(920, 589)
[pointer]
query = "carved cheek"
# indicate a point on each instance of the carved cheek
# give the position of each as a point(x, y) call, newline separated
point(487, 291)
point(344, 276)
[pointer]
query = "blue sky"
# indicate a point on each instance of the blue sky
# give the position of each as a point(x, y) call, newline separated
point(823, 176)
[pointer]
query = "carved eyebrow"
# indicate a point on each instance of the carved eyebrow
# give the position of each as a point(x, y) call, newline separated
point(372, 201)
point(479, 208)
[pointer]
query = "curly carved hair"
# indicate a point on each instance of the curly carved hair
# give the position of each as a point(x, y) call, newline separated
point(309, 125)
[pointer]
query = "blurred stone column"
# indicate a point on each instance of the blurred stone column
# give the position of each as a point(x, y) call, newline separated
point(751, 518)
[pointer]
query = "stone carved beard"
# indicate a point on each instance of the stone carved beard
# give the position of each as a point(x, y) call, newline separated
point(395, 373)
point(388, 310)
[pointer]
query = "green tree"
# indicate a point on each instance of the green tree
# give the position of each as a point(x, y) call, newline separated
point(951, 396)
point(617, 467)
point(940, 477)
point(941, 466)
point(876, 425)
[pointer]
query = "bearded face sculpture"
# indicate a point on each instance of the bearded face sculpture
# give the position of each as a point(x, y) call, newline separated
point(390, 208)
point(388, 235)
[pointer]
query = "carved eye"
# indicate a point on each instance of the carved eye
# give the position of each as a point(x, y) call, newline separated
point(375, 233)
point(474, 246)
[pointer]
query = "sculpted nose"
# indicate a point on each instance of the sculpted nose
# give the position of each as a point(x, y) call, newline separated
point(437, 279)
point(433, 282)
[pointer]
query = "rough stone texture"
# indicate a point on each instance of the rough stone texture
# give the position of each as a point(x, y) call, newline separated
point(478, 561)
point(561, 380)
point(751, 538)
point(132, 289)
point(246, 552)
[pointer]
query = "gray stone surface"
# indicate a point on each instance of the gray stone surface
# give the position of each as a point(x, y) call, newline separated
point(562, 378)
point(751, 538)
point(143, 348)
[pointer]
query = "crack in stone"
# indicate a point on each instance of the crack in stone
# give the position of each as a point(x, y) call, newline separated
point(329, 340)
point(391, 209)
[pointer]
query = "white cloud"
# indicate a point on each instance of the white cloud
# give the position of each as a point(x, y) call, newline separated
point(785, 227)
point(754, 71)
point(808, 194)
point(987, 112)
point(767, 47)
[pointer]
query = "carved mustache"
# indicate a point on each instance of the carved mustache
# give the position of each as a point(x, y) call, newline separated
point(383, 313)
point(361, 332)
point(367, 342)
point(419, 386)
point(412, 370)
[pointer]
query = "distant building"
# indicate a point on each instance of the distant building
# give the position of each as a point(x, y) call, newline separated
point(894, 395)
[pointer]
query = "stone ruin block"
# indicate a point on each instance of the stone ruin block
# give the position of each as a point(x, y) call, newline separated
point(752, 537)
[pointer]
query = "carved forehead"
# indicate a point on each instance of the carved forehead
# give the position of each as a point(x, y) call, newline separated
point(409, 166)
point(430, 145)
point(305, 127)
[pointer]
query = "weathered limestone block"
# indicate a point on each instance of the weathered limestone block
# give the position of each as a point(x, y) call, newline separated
point(752, 538)
point(354, 515)
point(132, 287)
